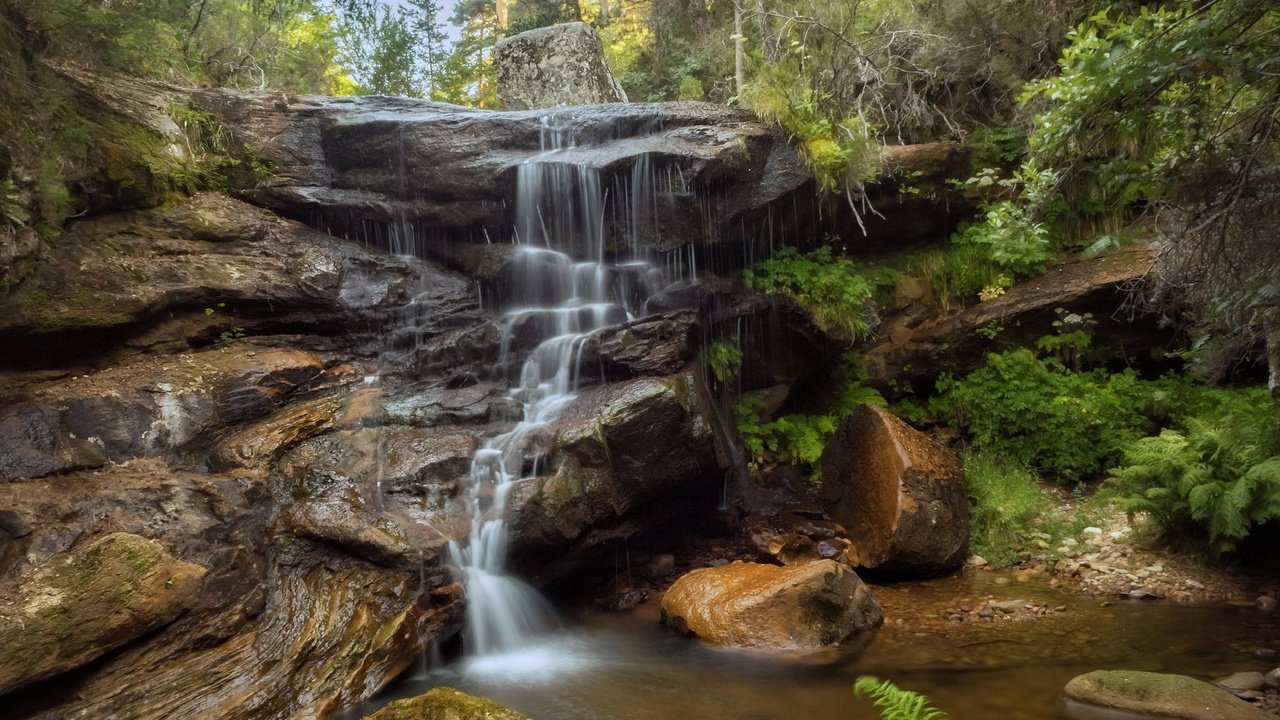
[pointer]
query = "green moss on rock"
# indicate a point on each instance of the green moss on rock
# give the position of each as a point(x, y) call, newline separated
point(1159, 695)
point(445, 703)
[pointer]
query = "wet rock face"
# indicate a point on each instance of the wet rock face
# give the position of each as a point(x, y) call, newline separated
point(1158, 695)
point(613, 458)
point(900, 495)
point(552, 66)
point(144, 409)
point(79, 606)
point(456, 168)
point(804, 606)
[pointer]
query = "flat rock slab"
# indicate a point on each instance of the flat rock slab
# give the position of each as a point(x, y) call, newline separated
point(794, 607)
point(1159, 695)
point(444, 703)
point(78, 606)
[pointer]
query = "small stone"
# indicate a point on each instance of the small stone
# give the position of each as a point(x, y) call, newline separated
point(1023, 577)
point(1272, 679)
point(1070, 542)
point(1091, 531)
point(976, 561)
point(1242, 681)
point(1002, 581)
point(1194, 584)
point(1266, 603)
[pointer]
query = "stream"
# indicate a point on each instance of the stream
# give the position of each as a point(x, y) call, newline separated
point(625, 666)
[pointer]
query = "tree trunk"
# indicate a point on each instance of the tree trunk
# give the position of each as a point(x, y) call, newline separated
point(604, 12)
point(737, 47)
point(768, 46)
point(502, 10)
point(1271, 333)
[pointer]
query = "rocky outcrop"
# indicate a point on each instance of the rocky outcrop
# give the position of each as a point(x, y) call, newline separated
point(612, 459)
point(90, 601)
point(455, 168)
point(552, 66)
point(917, 346)
point(146, 408)
point(803, 606)
point(211, 268)
point(1158, 695)
point(444, 703)
point(282, 625)
point(899, 494)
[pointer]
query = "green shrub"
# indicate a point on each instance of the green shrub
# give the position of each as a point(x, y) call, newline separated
point(1070, 424)
point(798, 439)
point(836, 291)
point(895, 703)
point(1006, 500)
point(1216, 481)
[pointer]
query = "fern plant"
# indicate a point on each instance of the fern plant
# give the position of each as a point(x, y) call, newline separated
point(894, 702)
point(1219, 479)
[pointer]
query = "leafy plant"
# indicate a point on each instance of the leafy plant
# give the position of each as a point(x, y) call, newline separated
point(835, 291)
point(1071, 424)
point(724, 358)
point(798, 439)
point(1217, 480)
point(894, 702)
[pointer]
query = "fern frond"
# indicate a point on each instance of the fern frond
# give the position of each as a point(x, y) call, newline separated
point(894, 702)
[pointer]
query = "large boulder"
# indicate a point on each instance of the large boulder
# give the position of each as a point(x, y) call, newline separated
point(555, 65)
point(900, 495)
point(804, 606)
point(445, 703)
point(79, 606)
point(1157, 695)
point(614, 457)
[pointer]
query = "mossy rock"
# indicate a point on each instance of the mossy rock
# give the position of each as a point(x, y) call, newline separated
point(81, 605)
point(1159, 696)
point(445, 703)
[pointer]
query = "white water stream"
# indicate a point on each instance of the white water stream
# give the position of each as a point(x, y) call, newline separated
point(563, 290)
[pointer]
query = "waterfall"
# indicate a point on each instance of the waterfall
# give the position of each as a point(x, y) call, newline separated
point(565, 287)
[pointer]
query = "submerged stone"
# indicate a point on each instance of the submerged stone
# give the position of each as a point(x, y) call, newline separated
point(444, 703)
point(1159, 695)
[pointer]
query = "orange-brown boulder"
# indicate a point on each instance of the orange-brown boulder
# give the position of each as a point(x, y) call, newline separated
point(793, 607)
point(899, 495)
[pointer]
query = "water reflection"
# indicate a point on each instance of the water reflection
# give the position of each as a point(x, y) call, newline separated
point(626, 667)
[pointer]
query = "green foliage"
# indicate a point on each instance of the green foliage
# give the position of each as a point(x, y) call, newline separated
point(724, 359)
point(895, 703)
point(799, 438)
point(836, 291)
point(1006, 500)
point(1215, 480)
point(840, 151)
point(1070, 424)
point(381, 52)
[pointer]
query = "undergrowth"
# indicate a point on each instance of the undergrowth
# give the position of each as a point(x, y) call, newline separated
point(836, 291)
point(799, 438)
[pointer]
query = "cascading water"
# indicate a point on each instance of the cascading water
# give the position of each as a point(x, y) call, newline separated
point(562, 290)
